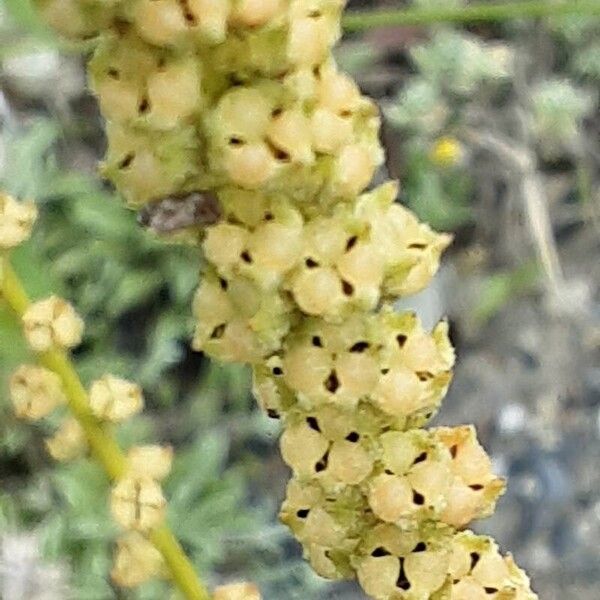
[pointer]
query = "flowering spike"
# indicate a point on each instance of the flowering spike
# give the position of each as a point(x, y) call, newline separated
point(243, 100)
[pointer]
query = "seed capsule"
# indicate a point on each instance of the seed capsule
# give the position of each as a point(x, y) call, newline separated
point(35, 392)
point(52, 322)
point(68, 443)
point(16, 221)
point(114, 399)
point(237, 591)
point(136, 561)
point(138, 503)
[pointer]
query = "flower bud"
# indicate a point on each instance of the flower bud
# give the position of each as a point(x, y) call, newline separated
point(114, 399)
point(237, 591)
point(150, 461)
point(35, 392)
point(68, 443)
point(138, 503)
point(16, 221)
point(136, 561)
point(52, 323)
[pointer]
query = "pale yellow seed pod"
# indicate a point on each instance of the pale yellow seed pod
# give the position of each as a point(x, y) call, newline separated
point(119, 100)
point(138, 503)
point(276, 247)
point(302, 448)
point(349, 463)
point(68, 18)
point(174, 94)
point(391, 498)
point(16, 221)
point(318, 291)
point(52, 322)
point(68, 443)
point(237, 591)
point(243, 113)
point(224, 244)
point(321, 528)
point(378, 576)
point(354, 169)
point(308, 42)
point(255, 13)
point(136, 561)
point(210, 18)
point(306, 368)
point(150, 461)
point(35, 392)
point(399, 392)
point(160, 22)
point(290, 133)
point(338, 93)
point(115, 399)
point(250, 165)
point(329, 131)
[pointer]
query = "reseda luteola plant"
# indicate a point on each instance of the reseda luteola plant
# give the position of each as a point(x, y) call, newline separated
point(243, 99)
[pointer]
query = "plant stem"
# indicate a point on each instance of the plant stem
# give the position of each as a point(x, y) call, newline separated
point(358, 21)
point(103, 446)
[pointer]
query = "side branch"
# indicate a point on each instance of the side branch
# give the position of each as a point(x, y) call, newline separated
point(358, 21)
point(103, 446)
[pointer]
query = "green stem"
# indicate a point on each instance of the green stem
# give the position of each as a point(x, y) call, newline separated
point(358, 21)
point(103, 446)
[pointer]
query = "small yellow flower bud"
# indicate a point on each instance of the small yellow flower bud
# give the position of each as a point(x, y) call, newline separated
point(52, 322)
point(446, 152)
point(35, 392)
point(138, 503)
point(150, 461)
point(16, 221)
point(237, 591)
point(68, 443)
point(136, 561)
point(114, 399)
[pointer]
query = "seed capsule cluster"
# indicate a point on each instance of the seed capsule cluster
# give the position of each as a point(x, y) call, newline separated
point(243, 100)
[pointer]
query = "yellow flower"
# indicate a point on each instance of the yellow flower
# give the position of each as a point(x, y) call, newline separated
point(446, 152)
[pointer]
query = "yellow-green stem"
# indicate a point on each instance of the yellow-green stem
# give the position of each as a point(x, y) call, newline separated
point(103, 446)
point(471, 13)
